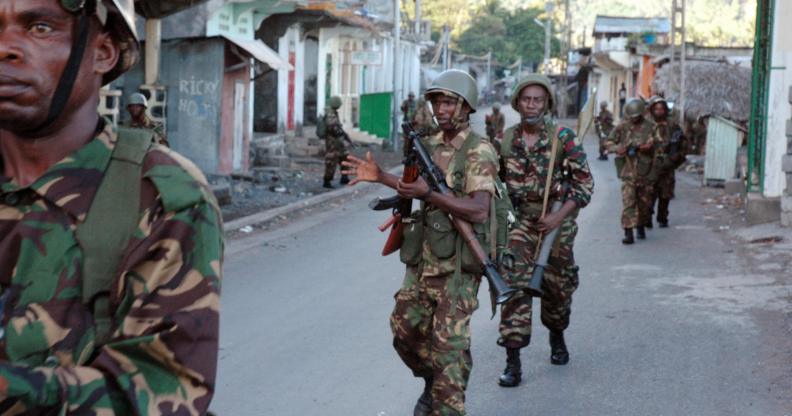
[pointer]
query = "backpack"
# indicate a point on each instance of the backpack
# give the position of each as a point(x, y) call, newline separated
point(501, 204)
point(111, 221)
point(321, 127)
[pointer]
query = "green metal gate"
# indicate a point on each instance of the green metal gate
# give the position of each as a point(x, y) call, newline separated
point(375, 111)
point(762, 61)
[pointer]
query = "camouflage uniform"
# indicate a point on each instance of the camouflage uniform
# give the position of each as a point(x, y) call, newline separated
point(162, 355)
point(495, 122)
point(408, 108)
point(431, 318)
point(157, 128)
point(524, 172)
point(604, 128)
point(639, 172)
point(335, 149)
point(666, 177)
point(423, 122)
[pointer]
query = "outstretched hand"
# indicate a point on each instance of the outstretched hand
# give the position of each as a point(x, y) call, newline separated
point(361, 170)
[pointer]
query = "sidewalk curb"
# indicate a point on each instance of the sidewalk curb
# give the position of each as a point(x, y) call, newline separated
point(294, 207)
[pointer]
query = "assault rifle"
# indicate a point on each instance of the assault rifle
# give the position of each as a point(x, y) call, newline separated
point(535, 285)
point(419, 157)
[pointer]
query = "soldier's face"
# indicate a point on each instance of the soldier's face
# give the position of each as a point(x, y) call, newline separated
point(35, 44)
point(659, 111)
point(532, 101)
point(136, 110)
point(444, 108)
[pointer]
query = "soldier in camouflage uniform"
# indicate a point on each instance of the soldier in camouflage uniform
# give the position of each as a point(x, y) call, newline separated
point(408, 107)
point(423, 121)
point(495, 123)
point(154, 351)
point(137, 106)
point(634, 142)
point(335, 149)
point(431, 318)
point(673, 147)
point(526, 152)
point(604, 126)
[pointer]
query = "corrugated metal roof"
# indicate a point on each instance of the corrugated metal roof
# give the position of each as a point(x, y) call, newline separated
point(617, 24)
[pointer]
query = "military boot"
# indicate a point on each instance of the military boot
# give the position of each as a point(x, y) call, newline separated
point(662, 212)
point(628, 236)
point(558, 350)
point(649, 224)
point(512, 375)
point(641, 233)
point(344, 180)
point(424, 405)
point(327, 184)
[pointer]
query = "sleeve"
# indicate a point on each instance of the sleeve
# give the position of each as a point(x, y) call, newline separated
point(614, 139)
point(481, 169)
point(162, 357)
point(580, 178)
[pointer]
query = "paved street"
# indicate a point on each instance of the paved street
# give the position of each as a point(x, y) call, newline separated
point(665, 327)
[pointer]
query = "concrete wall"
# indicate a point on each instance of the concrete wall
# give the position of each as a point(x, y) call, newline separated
point(233, 151)
point(224, 21)
point(778, 101)
point(291, 47)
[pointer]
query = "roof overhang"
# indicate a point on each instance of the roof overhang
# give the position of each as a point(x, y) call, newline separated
point(604, 61)
point(261, 52)
point(157, 9)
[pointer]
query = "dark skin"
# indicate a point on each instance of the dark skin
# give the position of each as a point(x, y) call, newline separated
point(138, 112)
point(474, 209)
point(644, 148)
point(35, 42)
point(659, 111)
point(533, 102)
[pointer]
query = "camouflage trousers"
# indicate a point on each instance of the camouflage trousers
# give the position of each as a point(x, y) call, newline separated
point(560, 281)
point(333, 159)
point(637, 199)
point(432, 336)
point(664, 193)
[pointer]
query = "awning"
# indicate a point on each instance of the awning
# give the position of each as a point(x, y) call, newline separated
point(262, 53)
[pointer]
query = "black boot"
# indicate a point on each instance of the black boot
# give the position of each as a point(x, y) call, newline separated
point(344, 180)
point(641, 233)
point(512, 375)
point(628, 236)
point(649, 224)
point(662, 212)
point(558, 350)
point(424, 405)
point(327, 184)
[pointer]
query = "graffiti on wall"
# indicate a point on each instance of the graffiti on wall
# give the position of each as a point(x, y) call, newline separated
point(198, 98)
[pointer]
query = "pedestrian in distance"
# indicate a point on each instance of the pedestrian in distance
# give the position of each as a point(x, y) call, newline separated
point(137, 107)
point(334, 136)
point(673, 148)
point(495, 123)
point(603, 124)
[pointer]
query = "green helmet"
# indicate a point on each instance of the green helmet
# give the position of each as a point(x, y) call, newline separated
point(138, 98)
point(496, 106)
point(335, 102)
point(534, 79)
point(604, 104)
point(634, 108)
point(656, 100)
point(456, 82)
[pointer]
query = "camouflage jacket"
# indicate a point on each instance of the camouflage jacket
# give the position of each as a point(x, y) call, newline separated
point(640, 165)
point(525, 170)
point(408, 109)
point(481, 169)
point(495, 124)
point(157, 128)
point(162, 356)
point(334, 140)
point(423, 122)
point(665, 130)
point(604, 123)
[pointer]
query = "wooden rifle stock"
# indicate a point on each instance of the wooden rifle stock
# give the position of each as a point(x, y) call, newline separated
point(403, 208)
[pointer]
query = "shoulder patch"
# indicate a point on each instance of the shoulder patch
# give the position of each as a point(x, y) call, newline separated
point(179, 182)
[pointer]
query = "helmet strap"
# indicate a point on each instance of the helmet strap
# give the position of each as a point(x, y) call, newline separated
point(456, 120)
point(72, 69)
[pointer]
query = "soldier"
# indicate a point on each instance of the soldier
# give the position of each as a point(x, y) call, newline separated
point(634, 142)
point(112, 245)
point(408, 107)
point(495, 123)
point(604, 126)
point(423, 121)
point(622, 99)
point(335, 149)
point(431, 318)
point(137, 106)
point(673, 147)
point(526, 153)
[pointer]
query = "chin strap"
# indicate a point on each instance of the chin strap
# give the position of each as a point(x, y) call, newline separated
point(457, 121)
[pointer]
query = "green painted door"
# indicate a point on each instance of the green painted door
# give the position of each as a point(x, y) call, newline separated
point(375, 112)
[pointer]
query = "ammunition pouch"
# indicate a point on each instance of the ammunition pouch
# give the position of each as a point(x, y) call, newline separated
point(620, 161)
point(412, 239)
point(440, 234)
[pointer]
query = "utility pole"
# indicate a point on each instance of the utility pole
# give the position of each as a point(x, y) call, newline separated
point(548, 26)
point(417, 19)
point(678, 31)
point(562, 96)
point(396, 59)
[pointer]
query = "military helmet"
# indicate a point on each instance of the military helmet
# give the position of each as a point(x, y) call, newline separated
point(139, 99)
point(496, 106)
point(456, 82)
point(657, 100)
point(534, 79)
point(634, 108)
point(604, 104)
point(118, 17)
point(335, 102)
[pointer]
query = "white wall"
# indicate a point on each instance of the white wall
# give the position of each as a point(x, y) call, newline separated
point(222, 22)
point(778, 100)
point(291, 41)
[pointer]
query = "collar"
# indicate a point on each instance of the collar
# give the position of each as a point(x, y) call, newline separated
point(71, 184)
point(456, 142)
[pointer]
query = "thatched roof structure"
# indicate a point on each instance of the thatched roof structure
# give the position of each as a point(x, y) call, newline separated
point(712, 88)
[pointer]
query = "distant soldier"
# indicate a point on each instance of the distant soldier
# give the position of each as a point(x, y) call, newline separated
point(137, 107)
point(604, 126)
point(529, 151)
point(673, 148)
point(495, 123)
point(423, 121)
point(634, 142)
point(431, 318)
point(408, 107)
point(335, 149)
point(622, 99)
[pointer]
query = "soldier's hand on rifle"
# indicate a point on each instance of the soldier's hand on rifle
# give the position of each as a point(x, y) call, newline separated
point(361, 170)
point(414, 190)
point(621, 150)
point(550, 222)
point(645, 148)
